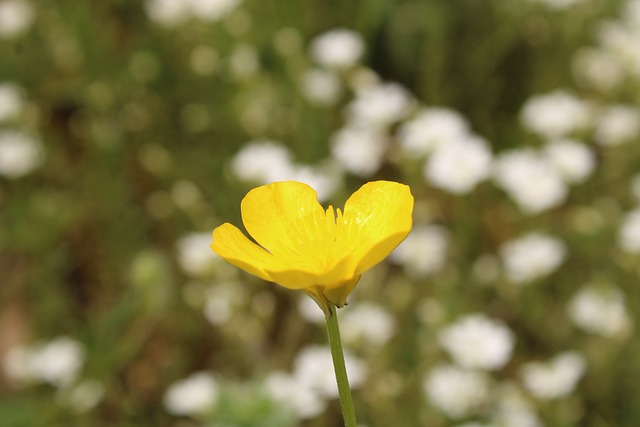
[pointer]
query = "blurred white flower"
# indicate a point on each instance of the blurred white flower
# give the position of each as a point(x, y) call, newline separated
point(82, 397)
point(597, 68)
point(324, 178)
point(243, 61)
point(313, 368)
point(431, 128)
point(556, 378)
point(16, 16)
point(262, 162)
point(193, 254)
point(513, 409)
point(559, 4)
point(379, 105)
point(458, 166)
point(631, 13)
point(530, 180)
point(212, 10)
point(321, 87)
point(56, 362)
point(486, 268)
point(310, 311)
point(19, 153)
point(359, 151)
point(532, 256)
point(600, 311)
point(457, 392)
point(617, 124)
point(16, 365)
point(220, 301)
point(11, 101)
point(478, 342)
point(194, 395)
point(171, 13)
point(556, 114)
point(339, 48)
point(423, 252)
point(299, 397)
point(629, 232)
point(635, 186)
point(621, 39)
point(168, 13)
point(366, 323)
point(573, 160)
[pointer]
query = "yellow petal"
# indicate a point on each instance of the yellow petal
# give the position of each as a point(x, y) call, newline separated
point(381, 212)
point(286, 219)
point(235, 248)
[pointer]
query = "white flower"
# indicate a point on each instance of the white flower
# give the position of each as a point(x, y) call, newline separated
point(314, 369)
point(555, 378)
point(288, 390)
point(513, 409)
point(220, 301)
point(629, 232)
point(530, 180)
point(321, 87)
point(16, 16)
point(359, 151)
point(622, 41)
point(559, 4)
point(310, 311)
point(368, 323)
point(617, 124)
point(598, 68)
point(423, 252)
point(532, 256)
point(16, 365)
point(171, 13)
point(168, 13)
point(324, 178)
point(243, 61)
point(431, 128)
point(379, 105)
point(56, 362)
point(194, 256)
point(262, 162)
point(635, 186)
point(600, 311)
point(476, 341)
point(339, 48)
point(556, 114)
point(194, 395)
point(572, 159)
point(11, 101)
point(82, 397)
point(212, 10)
point(459, 166)
point(455, 391)
point(19, 154)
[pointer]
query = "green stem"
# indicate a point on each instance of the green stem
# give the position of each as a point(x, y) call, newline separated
point(335, 343)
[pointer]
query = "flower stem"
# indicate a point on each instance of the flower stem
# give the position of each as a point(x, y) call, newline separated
point(335, 343)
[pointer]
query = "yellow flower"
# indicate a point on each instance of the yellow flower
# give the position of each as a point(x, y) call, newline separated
point(302, 246)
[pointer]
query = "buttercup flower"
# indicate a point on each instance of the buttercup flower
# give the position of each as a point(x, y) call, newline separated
point(302, 246)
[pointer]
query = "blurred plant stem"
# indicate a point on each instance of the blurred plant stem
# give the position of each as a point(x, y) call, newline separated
point(337, 355)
